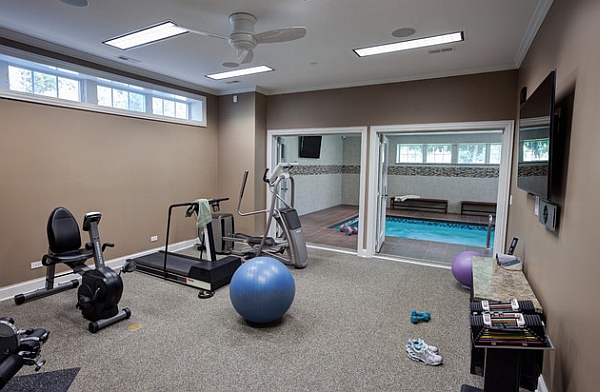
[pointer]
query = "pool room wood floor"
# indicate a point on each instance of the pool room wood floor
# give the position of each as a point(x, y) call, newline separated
point(315, 227)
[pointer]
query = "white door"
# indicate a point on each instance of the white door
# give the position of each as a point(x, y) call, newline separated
point(382, 191)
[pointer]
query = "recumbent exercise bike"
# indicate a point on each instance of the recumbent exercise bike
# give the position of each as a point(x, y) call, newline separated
point(19, 347)
point(101, 287)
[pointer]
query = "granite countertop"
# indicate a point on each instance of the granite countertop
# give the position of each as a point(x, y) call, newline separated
point(494, 283)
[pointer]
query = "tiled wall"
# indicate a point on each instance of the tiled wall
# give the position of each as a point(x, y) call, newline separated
point(334, 179)
point(452, 183)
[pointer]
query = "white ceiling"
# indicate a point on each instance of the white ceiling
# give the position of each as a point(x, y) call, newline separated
point(497, 36)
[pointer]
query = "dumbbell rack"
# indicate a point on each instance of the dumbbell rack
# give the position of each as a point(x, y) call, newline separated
point(507, 342)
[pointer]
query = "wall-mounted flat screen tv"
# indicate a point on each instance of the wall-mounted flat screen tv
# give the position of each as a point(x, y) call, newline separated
point(536, 130)
point(309, 147)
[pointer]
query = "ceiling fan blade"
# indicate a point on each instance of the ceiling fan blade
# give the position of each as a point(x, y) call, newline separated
point(280, 35)
point(244, 56)
point(205, 33)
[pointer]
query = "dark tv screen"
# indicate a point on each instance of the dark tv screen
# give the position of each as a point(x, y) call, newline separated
point(536, 129)
point(309, 147)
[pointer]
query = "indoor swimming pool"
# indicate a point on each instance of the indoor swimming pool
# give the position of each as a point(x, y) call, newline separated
point(432, 230)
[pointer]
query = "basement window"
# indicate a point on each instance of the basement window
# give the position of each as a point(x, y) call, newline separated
point(33, 78)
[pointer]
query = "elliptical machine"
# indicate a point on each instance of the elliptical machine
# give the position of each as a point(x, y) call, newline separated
point(101, 287)
point(288, 245)
point(19, 347)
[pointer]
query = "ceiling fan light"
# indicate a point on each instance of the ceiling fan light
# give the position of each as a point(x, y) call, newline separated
point(146, 35)
point(242, 41)
point(412, 44)
point(239, 72)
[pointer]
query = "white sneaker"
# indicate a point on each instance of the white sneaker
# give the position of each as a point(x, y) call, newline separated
point(418, 342)
point(424, 355)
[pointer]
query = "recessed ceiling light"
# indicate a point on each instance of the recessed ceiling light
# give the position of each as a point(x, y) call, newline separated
point(403, 32)
point(230, 64)
point(412, 44)
point(239, 72)
point(146, 35)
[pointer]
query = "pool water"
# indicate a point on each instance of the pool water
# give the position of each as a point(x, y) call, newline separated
point(432, 230)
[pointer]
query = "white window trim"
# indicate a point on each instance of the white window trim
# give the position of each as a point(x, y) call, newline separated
point(52, 101)
point(454, 160)
point(41, 99)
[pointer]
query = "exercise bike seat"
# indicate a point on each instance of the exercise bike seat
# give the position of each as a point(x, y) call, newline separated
point(64, 240)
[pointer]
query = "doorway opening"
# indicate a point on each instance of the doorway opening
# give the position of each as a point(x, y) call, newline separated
point(349, 180)
point(446, 175)
point(330, 179)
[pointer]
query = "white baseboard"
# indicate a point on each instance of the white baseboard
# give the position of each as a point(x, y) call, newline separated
point(8, 292)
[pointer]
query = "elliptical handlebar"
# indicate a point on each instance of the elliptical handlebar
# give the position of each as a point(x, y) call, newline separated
point(244, 179)
point(281, 172)
point(242, 189)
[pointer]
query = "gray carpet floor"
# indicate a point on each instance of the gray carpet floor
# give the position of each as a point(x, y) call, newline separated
point(345, 331)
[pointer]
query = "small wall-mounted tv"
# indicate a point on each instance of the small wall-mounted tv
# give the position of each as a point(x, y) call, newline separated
point(309, 147)
point(537, 156)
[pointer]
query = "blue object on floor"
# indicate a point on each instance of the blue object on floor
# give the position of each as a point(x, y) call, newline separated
point(417, 317)
point(262, 290)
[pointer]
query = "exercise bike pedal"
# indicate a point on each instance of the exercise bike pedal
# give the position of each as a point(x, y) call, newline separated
point(205, 294)
point(129, 266)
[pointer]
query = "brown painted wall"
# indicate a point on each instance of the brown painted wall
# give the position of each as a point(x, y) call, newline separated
point(241, 147)
point(480, 97)
point(130, 170)
point(563, 268)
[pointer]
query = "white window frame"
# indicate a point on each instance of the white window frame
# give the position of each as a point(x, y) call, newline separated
point(452, 154)
point(454, 147)
point(406, 162)
point(89, 79)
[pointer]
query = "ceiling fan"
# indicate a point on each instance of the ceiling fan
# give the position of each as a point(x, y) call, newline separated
point(242, 37)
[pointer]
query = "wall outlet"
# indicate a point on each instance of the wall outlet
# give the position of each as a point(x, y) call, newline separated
point(154, 238)
point(36, 264)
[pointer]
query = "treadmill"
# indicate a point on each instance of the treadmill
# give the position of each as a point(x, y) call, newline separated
point(206, 274)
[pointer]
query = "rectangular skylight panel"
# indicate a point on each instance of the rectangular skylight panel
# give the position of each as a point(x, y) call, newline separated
point(146, 35)
point(239, 72)
point(412, 44)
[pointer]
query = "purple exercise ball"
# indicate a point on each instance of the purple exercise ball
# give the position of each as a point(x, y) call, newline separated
point(462, 267)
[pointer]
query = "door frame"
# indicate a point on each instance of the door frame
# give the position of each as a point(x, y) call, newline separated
point(362, 131)
point(503, 198)
point(382, 166)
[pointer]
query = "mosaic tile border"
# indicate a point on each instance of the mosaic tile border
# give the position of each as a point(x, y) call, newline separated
point(445, 171)
point(315, 170)
point(404, 170)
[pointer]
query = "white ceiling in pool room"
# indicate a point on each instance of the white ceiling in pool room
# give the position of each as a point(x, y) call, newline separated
point(496, 33)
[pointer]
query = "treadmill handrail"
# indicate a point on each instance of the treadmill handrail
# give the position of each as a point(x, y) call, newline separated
point(208, 227)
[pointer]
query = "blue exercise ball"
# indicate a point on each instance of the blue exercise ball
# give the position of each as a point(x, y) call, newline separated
point(262, 290)
point(462, 267)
